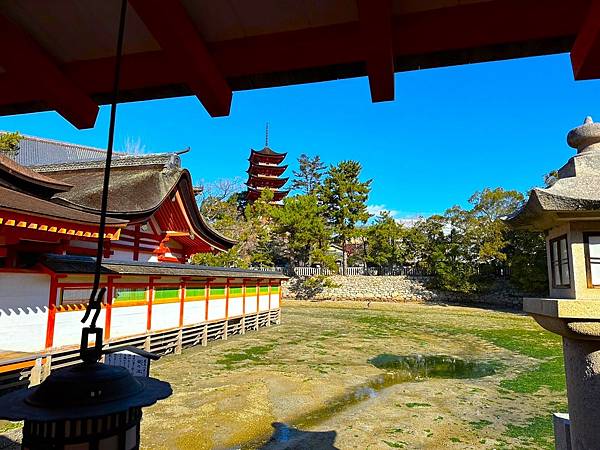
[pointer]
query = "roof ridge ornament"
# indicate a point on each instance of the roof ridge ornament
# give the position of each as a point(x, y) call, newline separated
point(585, 138)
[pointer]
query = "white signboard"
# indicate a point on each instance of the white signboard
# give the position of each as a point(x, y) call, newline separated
point(137, 365)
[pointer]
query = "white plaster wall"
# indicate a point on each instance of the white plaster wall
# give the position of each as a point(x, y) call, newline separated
point(67, 327)
point(23, 311)
point(275, 300)
point(216, 309)
point(128, 321)
point(236, 306)
point(264, 302)
point(165, 315)
point(251, 305)
point(122, 255)
point(194, 312)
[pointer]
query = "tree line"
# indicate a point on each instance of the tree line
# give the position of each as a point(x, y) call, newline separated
point(326, 223)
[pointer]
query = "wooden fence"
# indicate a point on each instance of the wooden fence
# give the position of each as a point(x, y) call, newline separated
point(301, 271)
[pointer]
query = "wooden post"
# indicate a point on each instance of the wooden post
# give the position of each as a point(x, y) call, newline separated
point(47, 367)
point(150, 300)
point(243, 321)
point(226, 327)
point(36, 373)
point(51, 311)
point(205, 336)
point(206, 297)
point(182, 295)
point(179, 344)
point(269, 314)
point(109, 302)
point(257, 302)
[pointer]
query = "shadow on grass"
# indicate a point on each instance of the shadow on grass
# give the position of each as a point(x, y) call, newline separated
point(285, 437)
point(8, 444)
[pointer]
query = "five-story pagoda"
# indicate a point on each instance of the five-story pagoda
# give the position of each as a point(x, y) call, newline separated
point(265, 172)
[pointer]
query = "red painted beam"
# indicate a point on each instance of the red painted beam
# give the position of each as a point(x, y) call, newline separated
point(375, 18)
point(453, 29)
point(27, 62)
point(171, 26)
point(585, 54)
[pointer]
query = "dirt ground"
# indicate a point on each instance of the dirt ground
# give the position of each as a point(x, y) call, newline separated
point(308, 383)
point(313, 372)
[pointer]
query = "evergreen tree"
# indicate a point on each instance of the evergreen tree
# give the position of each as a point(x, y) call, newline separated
point(384, 241)
point(309, 175)
point(301, 231)
point(9, 143)
point(343, 198)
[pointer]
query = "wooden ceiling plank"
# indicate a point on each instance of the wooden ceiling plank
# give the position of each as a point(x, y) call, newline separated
point(585, 54)
point(173, 29)
point(24, 60)
point(375, 18)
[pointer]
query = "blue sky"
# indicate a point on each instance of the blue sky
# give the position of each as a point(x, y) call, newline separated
point(449, 132)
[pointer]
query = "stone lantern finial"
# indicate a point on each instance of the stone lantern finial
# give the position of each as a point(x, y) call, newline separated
point(586, 137)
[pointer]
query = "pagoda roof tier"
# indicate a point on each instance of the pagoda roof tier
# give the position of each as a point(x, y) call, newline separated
point(574, 194)
point(254, 194)
point(258, 181)
point(266, 155)
point(266, 169)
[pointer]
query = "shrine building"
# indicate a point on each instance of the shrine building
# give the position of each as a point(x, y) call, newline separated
point(49, 217)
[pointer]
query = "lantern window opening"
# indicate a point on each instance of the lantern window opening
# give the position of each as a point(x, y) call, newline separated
point(592, 258)
point(560, 263)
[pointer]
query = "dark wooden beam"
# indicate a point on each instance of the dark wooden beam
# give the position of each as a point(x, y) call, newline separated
point(455, 35)
point(171, 26)
point(585, 54)
point(375, 18)
point(33, 69)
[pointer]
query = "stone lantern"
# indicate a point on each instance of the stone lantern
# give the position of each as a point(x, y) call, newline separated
point(568, 212)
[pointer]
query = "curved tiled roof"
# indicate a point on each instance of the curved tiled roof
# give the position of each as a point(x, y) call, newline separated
point(25, 179)
point(11, 200)
point(136, 191)
point(35, 151)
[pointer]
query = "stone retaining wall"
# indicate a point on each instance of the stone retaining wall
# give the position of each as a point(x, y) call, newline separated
point(398, 289)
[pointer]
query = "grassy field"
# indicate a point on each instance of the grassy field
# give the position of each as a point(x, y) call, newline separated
point(317, 372)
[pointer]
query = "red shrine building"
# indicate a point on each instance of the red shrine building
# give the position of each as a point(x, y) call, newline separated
point(49, 217)
point(265, 172)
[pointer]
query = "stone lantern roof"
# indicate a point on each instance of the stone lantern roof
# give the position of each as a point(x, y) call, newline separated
point(575, 194)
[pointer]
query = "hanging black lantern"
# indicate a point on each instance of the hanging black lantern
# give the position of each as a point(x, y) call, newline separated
point(86, 406)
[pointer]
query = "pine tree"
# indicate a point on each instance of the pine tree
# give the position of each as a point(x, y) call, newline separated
point(343, 198)
point(309, 175)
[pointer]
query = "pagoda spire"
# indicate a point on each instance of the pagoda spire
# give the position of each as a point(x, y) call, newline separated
point(267, 135)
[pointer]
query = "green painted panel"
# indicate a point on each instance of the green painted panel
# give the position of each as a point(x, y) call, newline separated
point(129, 295)
point(194, 293)
point(217, 291)
point(162, 293)
point(235, 290)
point(250, 290)
point(264, 289)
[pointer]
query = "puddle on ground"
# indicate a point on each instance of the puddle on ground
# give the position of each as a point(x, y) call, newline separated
point(434, 366)
point(399, 369)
